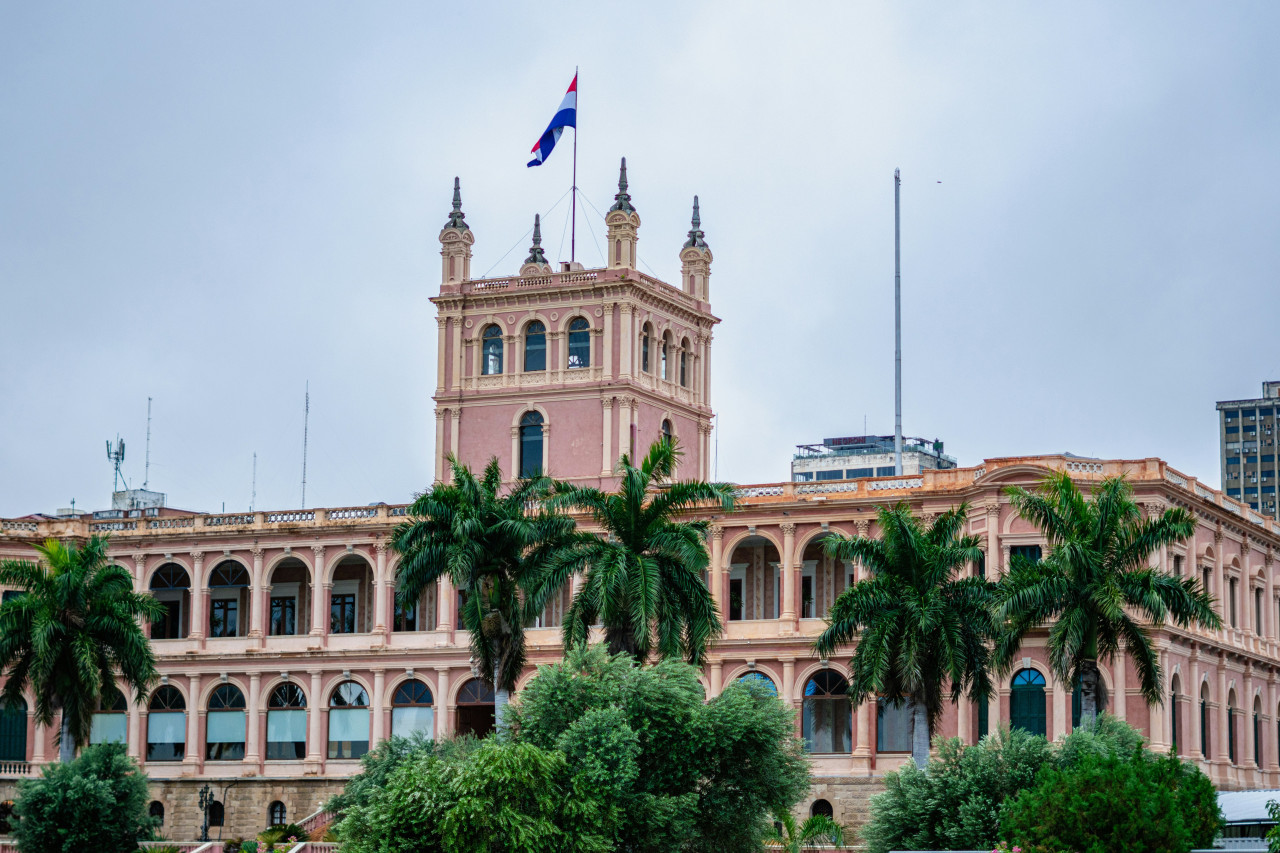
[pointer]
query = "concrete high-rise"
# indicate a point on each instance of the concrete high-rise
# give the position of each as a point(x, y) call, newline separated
point(1247, 445)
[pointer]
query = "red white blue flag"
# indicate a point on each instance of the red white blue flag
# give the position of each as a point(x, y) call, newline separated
point(566, 116)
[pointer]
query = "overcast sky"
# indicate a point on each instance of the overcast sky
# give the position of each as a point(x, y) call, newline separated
point(213, 204)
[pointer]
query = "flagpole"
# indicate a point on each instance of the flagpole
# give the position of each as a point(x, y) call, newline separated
point(573, 234)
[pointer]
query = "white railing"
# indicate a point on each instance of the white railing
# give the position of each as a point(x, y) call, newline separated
point(822, 488)
point(354, 512)
point(1085, 467)
point(165, 523)
point(220, 520)
point(15, 768)
point(760, 492)
point(896, 484)
point(27, 526)
point(113, 525)
point(398, 510)
point(1175, 478)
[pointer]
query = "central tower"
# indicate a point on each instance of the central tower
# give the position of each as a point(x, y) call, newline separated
point(564, 371)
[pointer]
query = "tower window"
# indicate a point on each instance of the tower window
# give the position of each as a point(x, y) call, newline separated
point(491, 351)
point(666, 362)
point(617, 251)
point(666, 430)
point(644, 348)
point(579, 343)
point(535, 346)
point(684, 358)
point(531, 445)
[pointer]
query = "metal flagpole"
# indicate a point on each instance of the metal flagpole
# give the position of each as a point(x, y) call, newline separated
point(573, 234)
point(897, 328)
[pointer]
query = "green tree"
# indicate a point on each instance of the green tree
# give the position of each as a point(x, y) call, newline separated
point(1096, 573)
point(920, 627)
point(76, 625)
point(682, 773)
point(491, 543)
point(1117, 801)
point(95, 802)
point(643, 574)
point(790, 837)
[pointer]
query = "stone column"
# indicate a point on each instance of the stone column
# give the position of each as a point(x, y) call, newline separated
point(606, 343)
point(624, 426)
point(715, 574)
point(378, 722)
point(963, 722)
point(39, 738)
point(136, 735)
point(1220, 587)
point(788, 577)
point(199, 617)
point(261, 596)
point(1224, 713)
point(382, 585)
point(442, 328)
point(193, 755)
point(1273, 754)
point(993, 542)
point(444, 714)
point(448, 599)
point(606, 459)
point(715, 676)
point(1246, 707)
point(139, 572)
point(627, 342)
point(1060, 710)
point(440, 473)
point(510, 367)
point(253, 717)
point(1193, 746)
point(319, 593)
point(1156, 713)
point(455, 419)
point(1269, 599)
point(862, 737)
point(513, 470)
point(316, 721)
point(1119, 668)
point(789, 680)
point(457, 352)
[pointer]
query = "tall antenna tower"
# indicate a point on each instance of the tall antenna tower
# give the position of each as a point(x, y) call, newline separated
point(897, 329)
point(306, 419)
point(146, 476)
point(253, 497)
point(115, 455)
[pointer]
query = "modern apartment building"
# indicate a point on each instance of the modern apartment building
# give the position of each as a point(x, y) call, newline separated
point(285, 657)
point(858, 456)
point(1247, 437)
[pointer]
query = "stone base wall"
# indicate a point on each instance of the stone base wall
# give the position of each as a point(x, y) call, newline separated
point(850, 799)
point(245, 803)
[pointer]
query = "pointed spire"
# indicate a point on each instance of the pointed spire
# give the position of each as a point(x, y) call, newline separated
point(622, 201)
point(456, 217)
point(695, 240)
point(535, 251)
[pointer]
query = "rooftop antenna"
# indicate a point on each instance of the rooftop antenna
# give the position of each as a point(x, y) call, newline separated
point(306, 419)
point(253, 496)
point(146, 476)
point(897, 328)
point(115, 455)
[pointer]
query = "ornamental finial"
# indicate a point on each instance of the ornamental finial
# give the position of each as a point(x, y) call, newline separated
point(456, 219)
point(695, 240)
point(535, 251)
point(622, 201)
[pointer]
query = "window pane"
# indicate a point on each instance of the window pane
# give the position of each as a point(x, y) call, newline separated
point(166, 727)
point(406, 721)
point(225, 727)
point(109, 728)
point(348, 732)
point(286, 726)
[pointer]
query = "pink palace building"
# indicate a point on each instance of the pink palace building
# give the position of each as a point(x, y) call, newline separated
point(284, 657)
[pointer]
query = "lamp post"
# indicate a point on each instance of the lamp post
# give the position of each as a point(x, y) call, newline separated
point(206, 798)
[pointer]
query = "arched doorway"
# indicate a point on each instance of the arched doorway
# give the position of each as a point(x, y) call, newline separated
point(754, 587)
point(1026, 702)
point(475, 708)
point(827, 715)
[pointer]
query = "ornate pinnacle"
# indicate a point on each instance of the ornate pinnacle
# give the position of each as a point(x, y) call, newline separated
point(695, 240)
point(535, 251)
point(622, 201)
point(456, 219)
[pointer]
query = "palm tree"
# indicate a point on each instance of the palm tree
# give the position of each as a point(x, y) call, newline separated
point(75, 625)
point(643, 573)
point(785, 835)
point(1095, 573)
point(917, 622)
point(490, 544)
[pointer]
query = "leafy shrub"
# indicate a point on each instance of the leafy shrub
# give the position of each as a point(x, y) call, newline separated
point(1115, 801)
point(96, 802)
point(283, 832)
point(955, 804)
point(376, 766)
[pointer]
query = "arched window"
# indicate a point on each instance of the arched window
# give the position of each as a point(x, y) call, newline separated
point(276, 815)
point(827, 717)
point(1026, 701)
point(228, 599)
point(1257, 732)
point(491, 351)
point(287, 723)
point(13, 731)
point(475, 708)
point(761, 679)
point(217, 814)
point(531, 444)
point(579, 343)
point(646, 333)
point(225, 725)
point(1204, 721)
point(171, 586)
point(411, 710)
point(348, 721)
point(110, 722)
point(667, 435)
point(1232, 713)
point(666, 362)
point(1175, 713)
point(156, 810)
point(166, 725)
point(535, 346)
point(821, 807)
point(684, 359)
point(617, 251)
point(893, 727)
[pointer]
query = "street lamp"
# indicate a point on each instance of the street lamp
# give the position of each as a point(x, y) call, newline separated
point(206, 799)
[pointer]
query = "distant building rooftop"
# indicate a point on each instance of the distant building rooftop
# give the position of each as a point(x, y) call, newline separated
point(865, 445)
